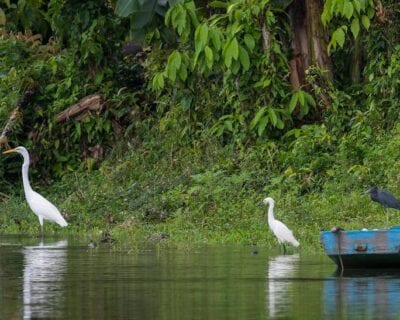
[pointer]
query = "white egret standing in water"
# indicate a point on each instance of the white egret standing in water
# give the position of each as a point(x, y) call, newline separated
point(280, 230)
point(42, 207)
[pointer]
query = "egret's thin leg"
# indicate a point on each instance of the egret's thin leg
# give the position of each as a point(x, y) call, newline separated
point(41, 226)
point(284, 248)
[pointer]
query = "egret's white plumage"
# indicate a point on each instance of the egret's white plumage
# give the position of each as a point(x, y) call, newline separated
point(279, 229)
point(42, 207)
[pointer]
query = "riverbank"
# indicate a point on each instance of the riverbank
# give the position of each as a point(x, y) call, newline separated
point(211, 194)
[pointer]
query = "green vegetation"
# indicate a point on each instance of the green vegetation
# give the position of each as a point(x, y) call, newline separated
point(209, 115)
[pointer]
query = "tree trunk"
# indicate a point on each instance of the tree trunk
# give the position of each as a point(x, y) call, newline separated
point(317, 38)
point(355, 68)
point(300, 60)
point(309, 43)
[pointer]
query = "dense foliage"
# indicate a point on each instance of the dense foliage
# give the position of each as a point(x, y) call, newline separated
point(200, 120)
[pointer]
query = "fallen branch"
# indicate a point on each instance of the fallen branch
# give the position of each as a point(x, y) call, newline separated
point(82, 108)
point(15, 114)
point(266, 38)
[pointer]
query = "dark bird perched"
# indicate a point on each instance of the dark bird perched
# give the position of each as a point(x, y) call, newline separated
point(384, 197)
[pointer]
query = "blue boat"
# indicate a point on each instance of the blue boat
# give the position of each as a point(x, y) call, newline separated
point(360, 249)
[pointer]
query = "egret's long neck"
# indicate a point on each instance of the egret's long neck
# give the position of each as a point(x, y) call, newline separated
point(271, 212)
point(25, 174)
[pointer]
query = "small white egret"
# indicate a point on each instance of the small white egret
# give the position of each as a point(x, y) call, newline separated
point(42, 207)
point(280, 230)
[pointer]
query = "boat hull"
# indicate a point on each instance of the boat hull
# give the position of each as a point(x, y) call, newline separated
point(359, 249)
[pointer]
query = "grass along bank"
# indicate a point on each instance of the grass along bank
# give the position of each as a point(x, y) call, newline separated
point(212, 194)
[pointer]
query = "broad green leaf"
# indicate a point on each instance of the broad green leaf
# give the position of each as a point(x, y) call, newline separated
point(235, 28)
point(186, 102)
point(228, 125)
point(300, 94)
point(255, 10)
point(249, 41)
point(218, 4)
point(348, 10)
point(78, 129)
point(209, 56)
point(238, 15)
point(231, 52)
point(280, 124)
point(215, 38)
point(325, 17)
point(272, 116)
point(234, 48)
point(98, 78)
point(262, 125)
point(2, 18)
point(197, 40)
point(178, 20)
point(173, 15)
point(365, 22)
point(191, 9)
point(257, 117)
point(303, 110)
point(235, 67)
point(293, 102)
point(182, 73)
point(142, 15)
point(338, 36)
point(330, 46)
point(310, 99)
point(371, 12)
point(200, 37)
point(124, 8)
point(337, 7)
point(171, 72)
point(158, 81)
point(167, 18)
point(196, 57)
point(203, 35)
point(357, 5)
point(327, 12)
point(175, 59)
point(363, 4)
point(244, 58)
point(182, 24)
point(231, 8)
point(355, 27)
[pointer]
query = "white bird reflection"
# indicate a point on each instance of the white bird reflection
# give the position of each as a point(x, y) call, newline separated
point(279, 269)
point(44, 269)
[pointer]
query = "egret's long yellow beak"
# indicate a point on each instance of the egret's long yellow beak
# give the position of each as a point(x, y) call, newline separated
point(9, 151)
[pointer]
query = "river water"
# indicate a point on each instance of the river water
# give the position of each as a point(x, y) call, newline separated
point(65, 279)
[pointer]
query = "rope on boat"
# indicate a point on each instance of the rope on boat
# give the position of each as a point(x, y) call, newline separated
point(337, 232)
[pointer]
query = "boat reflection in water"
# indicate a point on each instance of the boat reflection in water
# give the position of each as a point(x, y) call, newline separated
point(367, 294)
point(44, 269)
point(280, 270)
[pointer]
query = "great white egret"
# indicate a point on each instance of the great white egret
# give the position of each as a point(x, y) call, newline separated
point(385, 198)
point(280, 230)
point(42, 207)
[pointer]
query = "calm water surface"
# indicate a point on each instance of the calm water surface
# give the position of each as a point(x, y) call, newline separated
point(64, 279)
